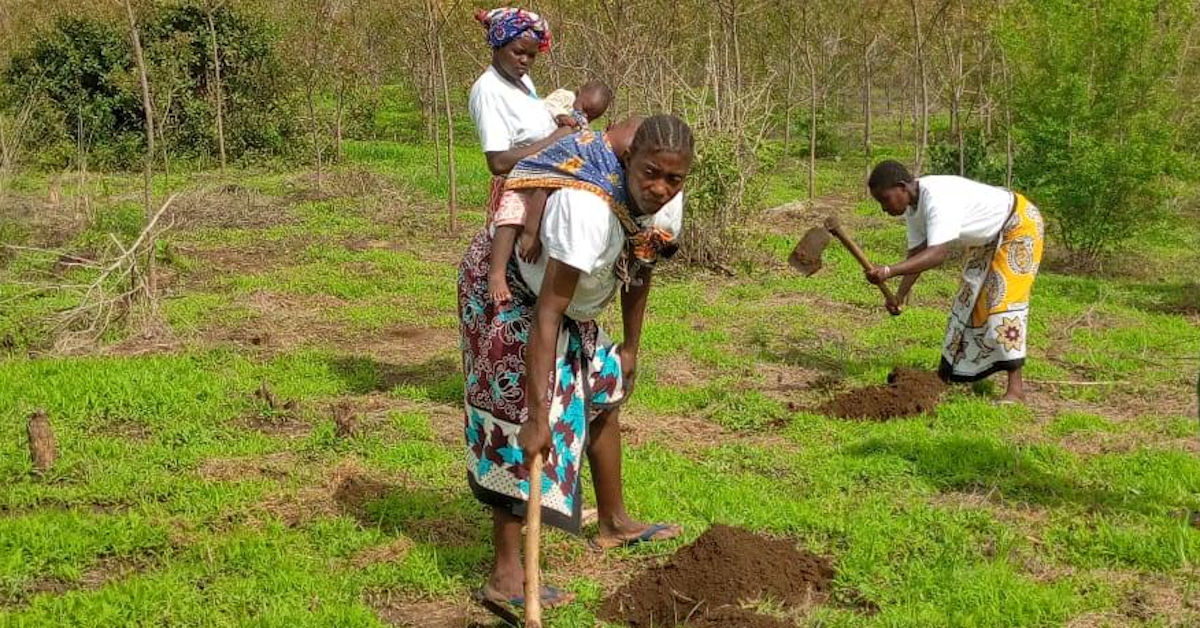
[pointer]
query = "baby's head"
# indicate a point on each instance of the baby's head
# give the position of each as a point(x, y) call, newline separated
point(593, 99)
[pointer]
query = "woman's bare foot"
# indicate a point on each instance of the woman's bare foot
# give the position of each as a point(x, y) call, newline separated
point(1016, 389)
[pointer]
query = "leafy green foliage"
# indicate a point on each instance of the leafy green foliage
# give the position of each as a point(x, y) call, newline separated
point(720, 187)
point(82, 77)
point(1091, 112)
point(983, 160)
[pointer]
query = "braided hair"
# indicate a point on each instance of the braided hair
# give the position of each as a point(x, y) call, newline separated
point(664, 132)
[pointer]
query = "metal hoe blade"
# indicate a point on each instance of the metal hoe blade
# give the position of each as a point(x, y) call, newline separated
point(806, 257)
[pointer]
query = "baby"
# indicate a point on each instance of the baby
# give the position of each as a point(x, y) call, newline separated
point(520, 214)
point(579, 109)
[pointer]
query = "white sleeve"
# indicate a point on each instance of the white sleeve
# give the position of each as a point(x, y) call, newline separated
point(576, 227)
point(670, 217)
point(942, 223)
point(494, 134)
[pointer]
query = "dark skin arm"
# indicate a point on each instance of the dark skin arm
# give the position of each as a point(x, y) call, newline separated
point(502, 162)
point(633, 313)
point(923, 260)
point(907, 282)
point(558, 286)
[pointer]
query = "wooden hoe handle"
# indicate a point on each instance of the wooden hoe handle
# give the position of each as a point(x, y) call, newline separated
point(533, 536)
point(835, 227)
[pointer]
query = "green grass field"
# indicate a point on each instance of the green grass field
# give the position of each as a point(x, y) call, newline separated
point(182, 499)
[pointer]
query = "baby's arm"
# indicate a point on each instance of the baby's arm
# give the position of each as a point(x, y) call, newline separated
point(531, 241)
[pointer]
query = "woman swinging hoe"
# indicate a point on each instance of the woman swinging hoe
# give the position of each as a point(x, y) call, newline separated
point(1004, 235)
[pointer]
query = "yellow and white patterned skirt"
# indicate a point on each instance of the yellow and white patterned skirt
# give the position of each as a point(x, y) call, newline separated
point(989, 320)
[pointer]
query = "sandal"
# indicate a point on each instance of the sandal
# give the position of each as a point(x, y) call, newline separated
point(649, 535)
point(507, 609)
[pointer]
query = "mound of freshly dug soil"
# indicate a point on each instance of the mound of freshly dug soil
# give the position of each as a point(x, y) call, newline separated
point(908, 392)
point(703, 584)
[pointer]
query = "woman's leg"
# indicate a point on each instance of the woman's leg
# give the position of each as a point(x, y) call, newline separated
point(508, 575)
point(604, 456)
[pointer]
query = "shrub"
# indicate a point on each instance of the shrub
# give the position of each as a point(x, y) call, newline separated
point(82, 75)
point(1091, 113)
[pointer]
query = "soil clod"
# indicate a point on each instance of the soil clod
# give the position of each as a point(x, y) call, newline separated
point(707, 583)
point(908, 392)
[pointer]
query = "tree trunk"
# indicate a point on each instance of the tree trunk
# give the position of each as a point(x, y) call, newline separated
point(451, 177)
point(312, 127)
point(337, 120)
point(432, 114)
point(867, 103)
point(812, 123)
point(216, 60)
point(962, 148)
point(148, 110)
point(1008, 138)
point(959, 86)
point(924, 143)
point(787, 106)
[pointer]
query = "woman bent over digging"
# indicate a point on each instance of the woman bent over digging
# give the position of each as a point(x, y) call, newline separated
point(540, 374)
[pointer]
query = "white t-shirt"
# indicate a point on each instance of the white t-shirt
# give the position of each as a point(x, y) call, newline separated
point(579, 230)
point(953, 209)
point(505, 116)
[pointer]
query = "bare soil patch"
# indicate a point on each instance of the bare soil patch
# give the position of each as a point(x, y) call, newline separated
point(908, 392)
point(104, 570)
point(407, 611)
point(706, 583)
point(277, 466)
point(393, 552)
point(228, 206)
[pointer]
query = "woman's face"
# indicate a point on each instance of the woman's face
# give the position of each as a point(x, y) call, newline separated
point(894, 200)
point(653, 178)
point(514, 58)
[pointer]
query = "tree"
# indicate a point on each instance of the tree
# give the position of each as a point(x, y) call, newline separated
point(1092, 112)
point(919, 51)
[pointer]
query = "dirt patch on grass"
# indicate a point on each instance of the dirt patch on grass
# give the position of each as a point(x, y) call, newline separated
point(228, 206)
point(706, 583)
point(97, 507)
point(393, 552)
point(348, 489)
point(104, 570)
point(254, 258)
point(908, 392)
point(679, 433)
point(283, 424)
point(275, 466)
point(122, 429)
point(407, 611)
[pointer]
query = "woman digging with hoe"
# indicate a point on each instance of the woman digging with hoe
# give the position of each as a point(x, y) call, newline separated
point(1004, 234)
point(542, 379)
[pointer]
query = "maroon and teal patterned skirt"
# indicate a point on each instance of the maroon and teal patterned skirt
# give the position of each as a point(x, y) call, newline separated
point(586, 381)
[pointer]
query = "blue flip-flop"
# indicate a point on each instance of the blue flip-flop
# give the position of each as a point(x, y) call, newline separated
point(507, 608)
point(647, 536)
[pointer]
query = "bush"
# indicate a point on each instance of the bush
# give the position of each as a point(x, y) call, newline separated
point(721, 185)
point(829, 143)
point(1091, 113)
point(982, 160)
point(82, 75)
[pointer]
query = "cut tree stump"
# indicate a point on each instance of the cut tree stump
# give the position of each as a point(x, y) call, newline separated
point(345, 420)
point(41, 442)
